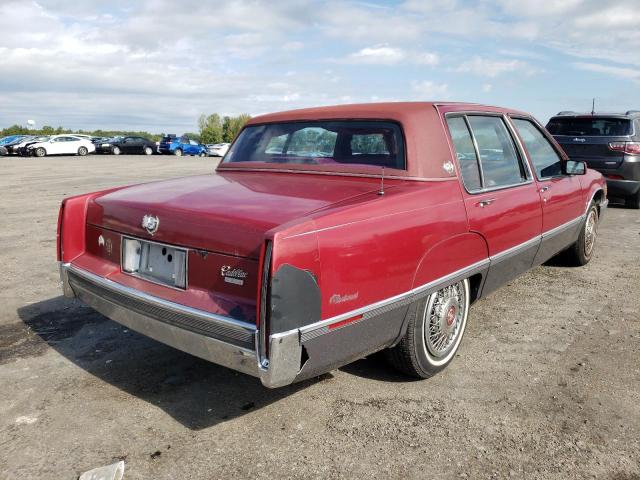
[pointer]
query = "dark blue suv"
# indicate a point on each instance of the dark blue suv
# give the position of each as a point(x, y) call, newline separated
point(179, 146)
point(609, 143)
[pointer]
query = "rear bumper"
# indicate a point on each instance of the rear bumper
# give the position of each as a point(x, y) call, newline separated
point(218, 339)
point(622, 188)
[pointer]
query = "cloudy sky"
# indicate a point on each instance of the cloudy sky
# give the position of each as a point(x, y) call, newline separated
point(157, 64)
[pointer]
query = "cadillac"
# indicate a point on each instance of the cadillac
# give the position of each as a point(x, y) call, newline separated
point(327, 234)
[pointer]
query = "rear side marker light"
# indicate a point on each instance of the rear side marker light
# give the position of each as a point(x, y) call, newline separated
point(628, 148)
point(345, 322)
point(614, 177)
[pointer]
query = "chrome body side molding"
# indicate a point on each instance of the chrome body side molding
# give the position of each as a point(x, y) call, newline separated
point(239, 346)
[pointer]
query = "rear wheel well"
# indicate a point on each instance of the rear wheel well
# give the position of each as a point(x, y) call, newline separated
point(475, 281)
point(597, 199)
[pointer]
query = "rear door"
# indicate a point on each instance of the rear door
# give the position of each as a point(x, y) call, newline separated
point(136, 145)
point(500, 196)
point(563, 203)
point(125, 145)
point(56, 146)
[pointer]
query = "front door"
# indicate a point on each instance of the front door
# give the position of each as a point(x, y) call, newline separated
point(501, 198)
point(562, 202)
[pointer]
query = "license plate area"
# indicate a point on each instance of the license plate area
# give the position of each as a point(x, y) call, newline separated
point(155, 262)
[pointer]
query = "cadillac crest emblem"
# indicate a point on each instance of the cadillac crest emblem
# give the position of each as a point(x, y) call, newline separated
point(150, 223)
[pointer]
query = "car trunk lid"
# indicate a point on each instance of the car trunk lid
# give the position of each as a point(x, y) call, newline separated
point(226, 213)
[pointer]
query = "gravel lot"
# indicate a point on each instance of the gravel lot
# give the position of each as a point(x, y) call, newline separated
point(546, 384)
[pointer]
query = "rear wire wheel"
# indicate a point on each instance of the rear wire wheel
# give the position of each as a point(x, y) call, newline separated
point(581, 251)
point(435, 328)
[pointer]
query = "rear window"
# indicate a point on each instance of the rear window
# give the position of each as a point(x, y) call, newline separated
point(590, 127)
point(352, 142)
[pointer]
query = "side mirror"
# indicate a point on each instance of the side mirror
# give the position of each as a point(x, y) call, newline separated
point(572, 167)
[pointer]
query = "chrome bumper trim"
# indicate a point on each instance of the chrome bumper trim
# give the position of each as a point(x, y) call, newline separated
point(225, 341)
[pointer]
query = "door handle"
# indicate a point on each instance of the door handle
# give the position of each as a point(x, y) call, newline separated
point(485, 203)
point(545, 188)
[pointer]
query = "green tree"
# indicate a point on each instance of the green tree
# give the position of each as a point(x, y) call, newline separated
point(231, 126)
point(210, 128)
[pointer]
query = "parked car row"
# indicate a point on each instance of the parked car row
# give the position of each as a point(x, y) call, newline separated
point(78, 144)
point(43, 145)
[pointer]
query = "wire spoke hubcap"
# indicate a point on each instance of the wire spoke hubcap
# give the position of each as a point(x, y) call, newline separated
point(443, 319)
point(590, 229)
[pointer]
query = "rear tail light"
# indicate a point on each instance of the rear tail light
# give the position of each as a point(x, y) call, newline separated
point(613, 176)
point(264, 303)
point(628, 148)
point(59, 233)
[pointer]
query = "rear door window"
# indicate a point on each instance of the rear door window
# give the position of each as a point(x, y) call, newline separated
point(546, 161)
point(500, 163)
point(465, 153)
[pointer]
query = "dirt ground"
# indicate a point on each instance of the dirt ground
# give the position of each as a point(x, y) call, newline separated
point(546, 384)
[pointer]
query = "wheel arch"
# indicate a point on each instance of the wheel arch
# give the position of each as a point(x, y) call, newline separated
point(450, 255)
point(464, 250)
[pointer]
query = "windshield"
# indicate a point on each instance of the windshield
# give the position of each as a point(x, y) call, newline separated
point(590, 126)
point(352, 142)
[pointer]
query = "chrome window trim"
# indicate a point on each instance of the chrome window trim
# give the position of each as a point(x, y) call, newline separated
point(338, 174)
point(175, 307)
point(522, 159)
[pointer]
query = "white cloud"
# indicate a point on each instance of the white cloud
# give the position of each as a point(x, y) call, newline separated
point(484, 67)
point(622, 72)
point(148, 63)
point(427, 90)
point(385, 55)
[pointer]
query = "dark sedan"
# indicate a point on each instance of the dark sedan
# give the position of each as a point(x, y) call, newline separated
point(128, 145)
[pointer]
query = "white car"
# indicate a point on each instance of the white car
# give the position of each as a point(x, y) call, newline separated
point(62, 145)
point(25, 142)
point(218, 149)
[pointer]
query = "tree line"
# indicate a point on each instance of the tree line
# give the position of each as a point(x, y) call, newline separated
point(217, 129)
point(213, 129)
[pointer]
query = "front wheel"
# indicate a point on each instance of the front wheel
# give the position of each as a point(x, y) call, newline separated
point(40, 152)
point(116, 150)
point(633, 201)
point(581, 251)
point(434, 332)
point(148, 151)
point(177, 152)
point(82, 151)
point(202, 154)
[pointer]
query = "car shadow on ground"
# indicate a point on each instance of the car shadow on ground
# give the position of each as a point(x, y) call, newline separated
point(195, 392)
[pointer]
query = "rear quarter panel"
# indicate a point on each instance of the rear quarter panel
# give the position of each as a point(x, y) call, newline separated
point(387, 245)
